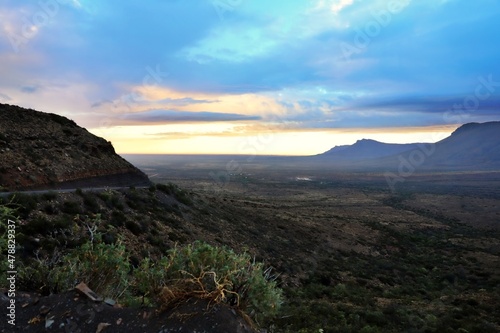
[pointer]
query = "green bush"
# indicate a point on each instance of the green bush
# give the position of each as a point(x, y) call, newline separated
point(167, 189)
point(116, 202)
point(134, 227)
point(111, 198)
point(50, 209)
point(36, 225)
point(103, 267)
point(90, 202)
point(49, 196)
point(213, 273)
point(117, 219)
point(23, 203)
point(104, 196)
point(181, 195)
point(71, 207)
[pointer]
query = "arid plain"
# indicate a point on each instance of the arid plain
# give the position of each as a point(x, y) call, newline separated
point(422, 257)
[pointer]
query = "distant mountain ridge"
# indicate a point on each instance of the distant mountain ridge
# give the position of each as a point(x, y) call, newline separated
point(45, 150)
point(472, 146)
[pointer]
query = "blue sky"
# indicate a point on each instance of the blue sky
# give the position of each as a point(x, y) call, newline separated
point(281, 77)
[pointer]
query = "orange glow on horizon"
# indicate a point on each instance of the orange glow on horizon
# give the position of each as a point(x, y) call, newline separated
point(226, 138)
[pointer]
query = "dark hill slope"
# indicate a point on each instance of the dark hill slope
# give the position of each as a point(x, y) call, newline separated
point(474, 145)
point(44, 150)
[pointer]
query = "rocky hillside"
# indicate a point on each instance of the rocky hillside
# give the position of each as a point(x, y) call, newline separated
point(45, 150)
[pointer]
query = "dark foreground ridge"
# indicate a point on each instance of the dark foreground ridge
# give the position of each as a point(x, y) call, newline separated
point(47, 151)
point(73, 312)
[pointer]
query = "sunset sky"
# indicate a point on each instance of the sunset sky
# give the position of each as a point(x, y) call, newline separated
point(254, 76)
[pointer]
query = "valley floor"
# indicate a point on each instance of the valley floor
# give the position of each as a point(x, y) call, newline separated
point(423, 258)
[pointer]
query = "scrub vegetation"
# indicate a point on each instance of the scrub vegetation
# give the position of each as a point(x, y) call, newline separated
point(295, 256)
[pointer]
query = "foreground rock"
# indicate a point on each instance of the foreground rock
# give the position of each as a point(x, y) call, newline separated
point(43, 150)
point(74, 312)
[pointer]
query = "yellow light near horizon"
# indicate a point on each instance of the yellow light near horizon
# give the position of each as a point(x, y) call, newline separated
point(244, 103)
point(226, 138)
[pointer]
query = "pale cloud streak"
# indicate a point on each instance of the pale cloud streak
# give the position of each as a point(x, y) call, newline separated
point(338, 5)
point(176, 116)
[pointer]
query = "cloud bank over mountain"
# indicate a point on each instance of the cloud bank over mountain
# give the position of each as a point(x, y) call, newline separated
point(310, 66)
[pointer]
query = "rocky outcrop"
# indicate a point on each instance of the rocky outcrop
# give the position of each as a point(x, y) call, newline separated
point(70, 312)
point(45, 150)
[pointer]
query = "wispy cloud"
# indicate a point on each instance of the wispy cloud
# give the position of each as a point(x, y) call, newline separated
point(139, 100)
point(185, 101)
point(338, 5)
point(170, 116)
point(29, 89)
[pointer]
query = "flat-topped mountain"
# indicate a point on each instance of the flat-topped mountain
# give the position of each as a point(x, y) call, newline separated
point(366, 149)
point(45, 150)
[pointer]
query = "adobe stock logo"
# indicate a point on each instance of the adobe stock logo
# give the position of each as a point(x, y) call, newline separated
point(154, 77)
point(371, 29)
point(471, 103)
point(457, 114)
point(248, 149)
point(31, 24)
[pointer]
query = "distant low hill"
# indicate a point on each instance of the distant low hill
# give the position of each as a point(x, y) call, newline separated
point(45, 150)
point(473, 146)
